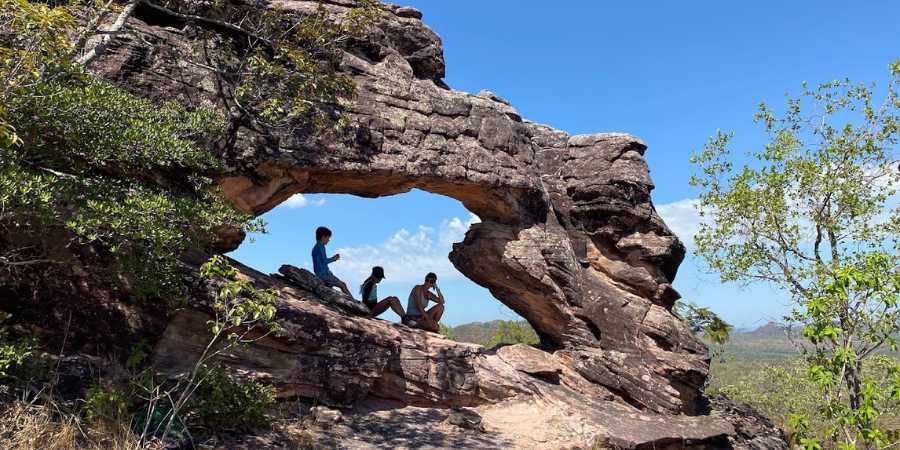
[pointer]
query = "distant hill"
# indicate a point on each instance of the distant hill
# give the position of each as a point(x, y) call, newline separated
point(768, 341)
point(772, 340)
point(475, 332)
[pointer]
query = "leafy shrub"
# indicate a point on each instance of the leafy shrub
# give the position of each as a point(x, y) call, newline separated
point(703, 320)
point(123, 174)
point(13, 353)
point(222, 402)
point(782, 390)
point(105, 405)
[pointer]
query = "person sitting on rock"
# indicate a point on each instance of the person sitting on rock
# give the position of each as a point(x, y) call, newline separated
point(416, 314)
point(369, 291)
point(321, 262)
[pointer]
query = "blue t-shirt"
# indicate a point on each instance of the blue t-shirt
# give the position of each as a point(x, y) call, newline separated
point(321, 260)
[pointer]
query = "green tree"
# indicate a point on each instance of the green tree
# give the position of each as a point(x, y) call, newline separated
point(446, 331)
point(703, 321)
point(513, 332)
point(123, 174)
point(816, 214)
point(131, 178)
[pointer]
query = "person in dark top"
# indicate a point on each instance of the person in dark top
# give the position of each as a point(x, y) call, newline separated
point(369, 291)
point(416, 314)
point(321, 261)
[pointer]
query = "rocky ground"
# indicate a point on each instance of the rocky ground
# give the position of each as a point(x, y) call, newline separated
point(406, 388)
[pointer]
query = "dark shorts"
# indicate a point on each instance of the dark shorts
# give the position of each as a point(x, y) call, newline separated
point(370, 304)
point(330, 280)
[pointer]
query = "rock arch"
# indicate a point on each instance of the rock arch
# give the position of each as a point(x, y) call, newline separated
point(569, 238)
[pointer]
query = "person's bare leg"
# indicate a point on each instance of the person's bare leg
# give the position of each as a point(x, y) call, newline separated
point(379, 308)
point(432, 317)
point(343, 287)
point(436, 313)
point(429, 325)
point(395, 305)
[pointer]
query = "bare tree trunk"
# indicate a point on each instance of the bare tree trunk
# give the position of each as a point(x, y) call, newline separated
point(109, 34)
point(853, 379)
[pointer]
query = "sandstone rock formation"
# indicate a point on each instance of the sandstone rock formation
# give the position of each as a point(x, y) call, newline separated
point(569, 239)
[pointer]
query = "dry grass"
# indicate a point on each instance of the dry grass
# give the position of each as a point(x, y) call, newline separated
point(25, 426)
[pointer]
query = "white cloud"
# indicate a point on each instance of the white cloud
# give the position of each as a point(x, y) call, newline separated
point(301, 201)
point(406, 255)
point(683, 218)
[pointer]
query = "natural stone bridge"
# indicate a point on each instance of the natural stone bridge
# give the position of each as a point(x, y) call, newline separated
point(569, 239)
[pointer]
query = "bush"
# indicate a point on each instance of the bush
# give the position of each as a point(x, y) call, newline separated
point(222, 402)
point(105, 406)
point(512, 332)
point(781, 389)
point(13, 353)
point(446, 331)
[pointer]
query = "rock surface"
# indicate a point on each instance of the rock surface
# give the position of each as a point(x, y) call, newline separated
point(345, 360)
point(569, 239)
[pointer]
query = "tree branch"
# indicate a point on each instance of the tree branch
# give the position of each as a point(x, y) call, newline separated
point(109, 34)
point(29, 262)
point(207, 20)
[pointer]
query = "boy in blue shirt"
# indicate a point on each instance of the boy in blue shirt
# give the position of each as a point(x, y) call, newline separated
point(321, 262)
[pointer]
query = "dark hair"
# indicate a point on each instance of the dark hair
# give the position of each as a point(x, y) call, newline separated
point(322, 232)
point(370, 282)
point(431, 276)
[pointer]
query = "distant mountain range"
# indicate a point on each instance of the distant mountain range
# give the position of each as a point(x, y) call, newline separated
point(770, 340)
point(773, 340)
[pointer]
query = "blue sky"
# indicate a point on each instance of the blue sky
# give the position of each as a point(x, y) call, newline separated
point(669, 72)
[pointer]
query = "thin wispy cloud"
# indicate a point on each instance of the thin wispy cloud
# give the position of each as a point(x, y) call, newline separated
point(407, 255)
point(301, 201)
point(683, 218)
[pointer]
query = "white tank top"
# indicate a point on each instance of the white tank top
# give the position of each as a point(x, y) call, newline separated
point(411, 309)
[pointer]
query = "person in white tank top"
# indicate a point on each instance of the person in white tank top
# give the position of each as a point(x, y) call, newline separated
point(417, 314)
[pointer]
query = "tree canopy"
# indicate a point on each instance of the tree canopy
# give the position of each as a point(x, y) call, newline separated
point(817, 214)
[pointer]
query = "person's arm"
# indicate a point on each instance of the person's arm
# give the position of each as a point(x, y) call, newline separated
point(439, 298)
point(421, 300)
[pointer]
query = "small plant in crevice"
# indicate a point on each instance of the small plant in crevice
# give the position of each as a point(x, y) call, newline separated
point(14, 353)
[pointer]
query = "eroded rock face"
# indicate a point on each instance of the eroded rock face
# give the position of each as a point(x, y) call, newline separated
point(569, 237)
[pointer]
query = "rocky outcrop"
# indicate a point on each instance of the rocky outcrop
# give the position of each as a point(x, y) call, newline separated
point(344, 359)
point(569, 239)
